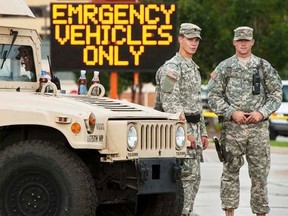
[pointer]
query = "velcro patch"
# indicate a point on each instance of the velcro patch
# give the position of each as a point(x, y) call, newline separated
point(172, 75)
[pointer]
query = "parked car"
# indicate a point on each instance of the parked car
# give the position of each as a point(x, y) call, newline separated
point(279, 119)
point(204, 96)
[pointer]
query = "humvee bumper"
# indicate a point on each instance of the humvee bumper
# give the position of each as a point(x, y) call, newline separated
point(158, 175)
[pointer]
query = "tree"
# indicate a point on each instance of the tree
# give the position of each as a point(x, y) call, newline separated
point(218, 18)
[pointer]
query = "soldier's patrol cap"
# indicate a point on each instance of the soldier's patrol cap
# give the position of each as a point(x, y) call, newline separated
point(190, 30)
point(243, 33)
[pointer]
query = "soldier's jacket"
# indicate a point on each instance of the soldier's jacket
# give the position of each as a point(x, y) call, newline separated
point(179, 84)
point(231, 88)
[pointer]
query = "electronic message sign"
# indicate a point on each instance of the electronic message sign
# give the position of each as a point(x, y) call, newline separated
point(114, 37)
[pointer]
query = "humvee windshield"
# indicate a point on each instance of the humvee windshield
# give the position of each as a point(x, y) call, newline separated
point(17, 63)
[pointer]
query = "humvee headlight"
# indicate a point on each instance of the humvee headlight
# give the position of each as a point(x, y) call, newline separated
point(90, 123)
point(180, 137)
point(131, 137)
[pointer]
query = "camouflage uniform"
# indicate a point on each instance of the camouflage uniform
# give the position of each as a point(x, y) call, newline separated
point(229, 91)
point(180, 85)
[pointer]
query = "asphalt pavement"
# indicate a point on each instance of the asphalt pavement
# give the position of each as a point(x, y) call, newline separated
point(208, 199)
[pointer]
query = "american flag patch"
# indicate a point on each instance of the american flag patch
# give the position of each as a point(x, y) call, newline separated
point(172, 75)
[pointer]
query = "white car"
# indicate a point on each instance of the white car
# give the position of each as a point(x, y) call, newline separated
point(279, 119)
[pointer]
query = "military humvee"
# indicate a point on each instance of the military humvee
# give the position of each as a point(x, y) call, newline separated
point(79, 155)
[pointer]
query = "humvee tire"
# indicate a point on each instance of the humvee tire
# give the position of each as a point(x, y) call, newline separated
point(127, 209)
point(40, 178)
point(169, 204)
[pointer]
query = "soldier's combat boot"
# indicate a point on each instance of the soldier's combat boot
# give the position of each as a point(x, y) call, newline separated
point(229, 212)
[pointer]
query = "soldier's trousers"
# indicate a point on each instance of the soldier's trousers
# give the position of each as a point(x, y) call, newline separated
point(191, 178)
point(251, 140)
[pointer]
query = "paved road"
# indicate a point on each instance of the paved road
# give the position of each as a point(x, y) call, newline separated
point(208, 200)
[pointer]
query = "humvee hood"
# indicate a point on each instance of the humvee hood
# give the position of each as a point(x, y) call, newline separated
point(76, 104)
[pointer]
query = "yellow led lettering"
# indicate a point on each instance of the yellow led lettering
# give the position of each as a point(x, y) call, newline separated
point(129, 37)
point(114, 38)
point(103, 54)
point(120, 14)
point(89, 12)
point(117, 62)
point(113, 34)
point(147, 35)
point(66, 32)
point(136, 14)
point(136, 54)
point(93, 52)
point(76, 10)
point(70, 20)
point(93, 34)
point(166, 37)
point(105, 32)
point(58, 14)
point(106, 14)
point(148, 19)
point(77, 37)
point(168, 13)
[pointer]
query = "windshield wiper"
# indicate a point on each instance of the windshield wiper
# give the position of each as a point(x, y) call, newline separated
point(6, 54)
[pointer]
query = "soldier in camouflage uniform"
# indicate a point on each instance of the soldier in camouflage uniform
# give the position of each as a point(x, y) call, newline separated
point(244, 90)
point(178, 89)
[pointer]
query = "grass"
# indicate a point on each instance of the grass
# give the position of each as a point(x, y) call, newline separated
point(273, 143)
point(279, 143)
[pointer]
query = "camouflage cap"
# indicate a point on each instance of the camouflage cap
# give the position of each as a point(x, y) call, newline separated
point(243, 33)
point(190, 30)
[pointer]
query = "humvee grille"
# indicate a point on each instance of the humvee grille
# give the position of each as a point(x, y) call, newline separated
point(156, 136)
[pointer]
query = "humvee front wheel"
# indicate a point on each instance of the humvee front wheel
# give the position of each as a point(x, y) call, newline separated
point(40, 178)
point(168, 204)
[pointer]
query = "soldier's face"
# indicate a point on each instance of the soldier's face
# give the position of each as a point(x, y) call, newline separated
point(243, 47)
point(25, 55)
point(188, 46)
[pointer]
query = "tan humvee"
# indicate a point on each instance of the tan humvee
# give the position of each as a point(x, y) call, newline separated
point(75, 155)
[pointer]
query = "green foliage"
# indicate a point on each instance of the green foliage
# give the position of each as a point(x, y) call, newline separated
point(218, 18)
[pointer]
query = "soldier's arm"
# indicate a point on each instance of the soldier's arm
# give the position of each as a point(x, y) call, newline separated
point(216, 94)
point(203, 126)
point(170, 92)
point(273, 90)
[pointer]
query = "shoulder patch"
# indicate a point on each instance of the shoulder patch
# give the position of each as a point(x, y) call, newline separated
point(172, 75)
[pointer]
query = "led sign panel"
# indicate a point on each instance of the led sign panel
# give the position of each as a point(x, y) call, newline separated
point(114, 37)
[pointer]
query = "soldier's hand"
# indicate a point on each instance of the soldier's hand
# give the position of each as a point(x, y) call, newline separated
point(205, 142)
point(181, 116)
point(254, 117)
point(192, 141)
point(240, 117)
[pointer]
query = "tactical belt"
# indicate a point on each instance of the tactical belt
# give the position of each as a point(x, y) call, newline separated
point(192, 118)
